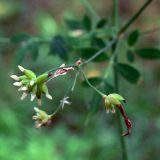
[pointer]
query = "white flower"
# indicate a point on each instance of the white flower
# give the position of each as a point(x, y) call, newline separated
point(39, 101)
point(15, 77)
point(17, 84)
point(24, 95)
point(21, 68)
point(48, 96)
point(24, 88)
point(32, 82)
point(33, 96)
point(64, 101)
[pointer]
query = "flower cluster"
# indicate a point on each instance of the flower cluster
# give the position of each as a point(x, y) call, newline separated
point(29, 83)
point(114, 100)
point(36, 86)
point(41, 118)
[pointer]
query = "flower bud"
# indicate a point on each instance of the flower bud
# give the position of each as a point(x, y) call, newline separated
point(42, 78)
point(44, 90)
point(15, 77)
point(21, 68)
point(33, 96)
point(24, 95)
point(31, 75)
point(17, 84)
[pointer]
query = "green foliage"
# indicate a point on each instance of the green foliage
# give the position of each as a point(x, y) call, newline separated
point(133, 37)
point(20, 37)
point(148, 53)
point(82, 38)
point(59, 47)
point(88, 52)
point(87, 23)
point(101, 23)
point(128, 72)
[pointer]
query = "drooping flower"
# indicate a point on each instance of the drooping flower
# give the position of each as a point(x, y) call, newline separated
point(41, 118)
point(111, 101)
point(115, 100)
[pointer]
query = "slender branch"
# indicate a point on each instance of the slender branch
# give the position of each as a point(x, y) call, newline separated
point(74, 82)
point(98, 91)
point(101, 51)
point(132, 20)
point(116, 79)
point(90, 9)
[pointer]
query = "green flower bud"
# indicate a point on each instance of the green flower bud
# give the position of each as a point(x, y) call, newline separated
point(23, 77)
point(29, 74)
point(42, 78)
point(25, 81)
point(44, 90)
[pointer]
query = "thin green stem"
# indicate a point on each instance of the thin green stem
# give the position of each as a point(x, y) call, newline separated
point(89, 7)
point(115, 14)
point(119, 123)
point(55, 112)
point(98, 91)
point(74, 82)
point(101, 51)
point(132, 20)
point(116, 78)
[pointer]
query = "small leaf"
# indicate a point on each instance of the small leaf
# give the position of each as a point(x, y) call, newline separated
point(20, 37)
point(93, 80)
point(133, 37)
point(59, 47)
point(73, 24)
point(87, 23)
point(128, 72)
point(130, 56)
point(148, 53)
point(101, 23)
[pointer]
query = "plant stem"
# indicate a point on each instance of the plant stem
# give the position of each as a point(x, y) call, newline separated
point(74, 82)
point(89, 7)
point(101, 51)
point(66, 66)
point(115, 20)
point(98, 91)
point(129, 23)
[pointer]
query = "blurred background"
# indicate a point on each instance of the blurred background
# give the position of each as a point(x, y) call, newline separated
point(78, 132)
